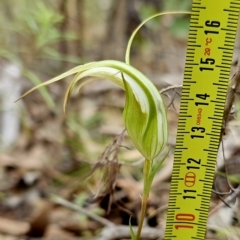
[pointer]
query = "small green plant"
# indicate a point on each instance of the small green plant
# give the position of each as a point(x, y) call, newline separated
point(144, 112)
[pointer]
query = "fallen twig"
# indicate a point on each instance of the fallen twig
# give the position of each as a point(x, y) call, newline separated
point(226, 200)
point(79, 209)
point(231, 97)
point(123, 232)
point(110, 231)
point(170, 88)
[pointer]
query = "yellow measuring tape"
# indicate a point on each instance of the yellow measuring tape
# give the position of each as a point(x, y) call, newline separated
point(206, 78)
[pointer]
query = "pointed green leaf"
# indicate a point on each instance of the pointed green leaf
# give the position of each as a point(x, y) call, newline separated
point(133, 235)
point(127, 54)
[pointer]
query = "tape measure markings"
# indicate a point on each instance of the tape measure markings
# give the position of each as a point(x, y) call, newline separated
point(208, 61)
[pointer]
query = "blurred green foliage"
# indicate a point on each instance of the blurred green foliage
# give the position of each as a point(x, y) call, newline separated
point(32, 28)
point(181, 24)
point(30, 33)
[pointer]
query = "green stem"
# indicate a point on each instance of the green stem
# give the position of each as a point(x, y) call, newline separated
point(146, 189)
point(142, 216)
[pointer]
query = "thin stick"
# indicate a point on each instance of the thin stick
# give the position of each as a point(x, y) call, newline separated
point(122, 232)
point(79, 209)
point(170, 88)
point(227, 200)
point(231, 97)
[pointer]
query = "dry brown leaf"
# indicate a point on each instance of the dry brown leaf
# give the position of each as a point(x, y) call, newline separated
point(12, 227)
point(54, 231)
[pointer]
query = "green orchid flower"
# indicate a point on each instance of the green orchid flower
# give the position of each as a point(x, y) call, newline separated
point(144, 112)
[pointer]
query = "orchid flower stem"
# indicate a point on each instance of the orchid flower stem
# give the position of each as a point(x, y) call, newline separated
point(147, 168)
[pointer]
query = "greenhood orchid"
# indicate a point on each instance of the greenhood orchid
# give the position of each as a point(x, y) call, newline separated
point(144, 112)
